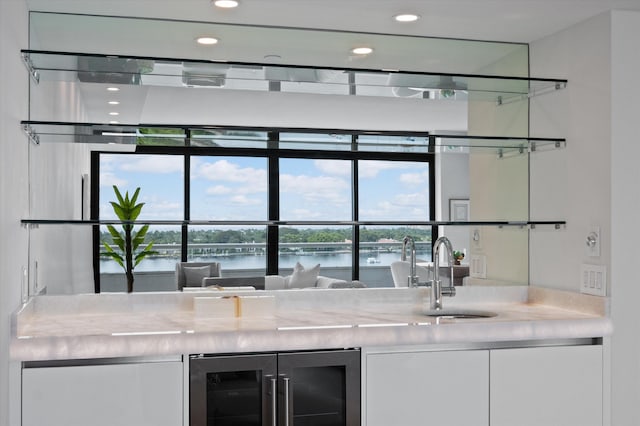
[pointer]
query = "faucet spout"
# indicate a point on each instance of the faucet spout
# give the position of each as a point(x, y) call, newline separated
point(412, 279)
point(437, 291)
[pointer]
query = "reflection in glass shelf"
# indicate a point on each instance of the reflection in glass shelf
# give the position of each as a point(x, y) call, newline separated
point(169, 135)
point(185, 73)
point(506, 223)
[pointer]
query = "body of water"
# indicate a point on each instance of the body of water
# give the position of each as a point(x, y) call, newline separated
point(259, 261)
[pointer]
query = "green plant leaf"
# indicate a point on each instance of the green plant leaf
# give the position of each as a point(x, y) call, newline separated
point(144, 253)
point(118, 194)
point(137, 238)
point(112, 254)
point(135, 211)
point(117, 237)
point(135, 195)
point(119, 211)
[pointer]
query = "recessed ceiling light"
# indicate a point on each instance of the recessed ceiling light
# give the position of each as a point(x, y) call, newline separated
point(114, 103)
point(206, 40)
point(406, 17)
point(114, 122)
point(112, 89)
point(227, 4)
point(114, 113)
point(362, 50)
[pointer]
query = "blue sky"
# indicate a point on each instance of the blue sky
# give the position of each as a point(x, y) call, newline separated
point(235, 188)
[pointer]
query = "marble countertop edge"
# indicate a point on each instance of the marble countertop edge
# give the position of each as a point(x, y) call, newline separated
point(92, 347)
point(121, 325)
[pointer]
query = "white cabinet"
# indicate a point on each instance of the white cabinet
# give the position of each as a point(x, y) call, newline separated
point(448, 388)
point(536, 386)
point(547, 386)
point(132, 394)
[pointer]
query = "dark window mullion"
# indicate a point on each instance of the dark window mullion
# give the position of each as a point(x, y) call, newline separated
point(187, 199)
point(355, 249)
point(432, 191)
point(95, 215)
point(273, 204)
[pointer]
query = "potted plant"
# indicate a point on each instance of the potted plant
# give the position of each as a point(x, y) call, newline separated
point(126, 249)
point(457, 257)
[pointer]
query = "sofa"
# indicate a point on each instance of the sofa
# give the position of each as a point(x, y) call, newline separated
point(302, 277)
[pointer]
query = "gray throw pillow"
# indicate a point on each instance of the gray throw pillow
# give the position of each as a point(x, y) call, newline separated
point(193, 275)
point(302, 278)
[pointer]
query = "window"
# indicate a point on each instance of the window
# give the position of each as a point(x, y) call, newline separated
point(260, 200)
point(315, 190)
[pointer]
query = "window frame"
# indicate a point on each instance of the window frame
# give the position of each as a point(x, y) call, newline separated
point(273, 153)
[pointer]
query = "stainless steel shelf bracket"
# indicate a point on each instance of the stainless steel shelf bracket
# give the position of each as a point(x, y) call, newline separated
point(35, 75)
point(516, 98)
point(31, 134)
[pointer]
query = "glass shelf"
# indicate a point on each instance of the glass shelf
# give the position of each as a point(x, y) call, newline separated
point(129, 137)
point(136, 71)
point(31, 222)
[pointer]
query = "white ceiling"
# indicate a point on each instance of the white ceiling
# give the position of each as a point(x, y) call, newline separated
point(497, 20)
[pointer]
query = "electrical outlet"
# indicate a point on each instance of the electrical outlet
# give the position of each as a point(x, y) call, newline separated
point(478, 266)
point(593, 279)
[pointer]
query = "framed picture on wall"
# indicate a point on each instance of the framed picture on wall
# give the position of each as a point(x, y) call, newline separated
point(458, 210)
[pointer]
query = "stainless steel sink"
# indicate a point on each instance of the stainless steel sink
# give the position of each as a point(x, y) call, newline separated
point(455, 313)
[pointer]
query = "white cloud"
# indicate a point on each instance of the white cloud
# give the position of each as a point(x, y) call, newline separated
point(414, 178)
point(411, 200)
point(162, 209)
point(245, 201)
point(253, 180)
point(219, 190)
point(152, 164)
point(304, 214)
point(401, 207)
point(108, 179)
point(370, 169)
point(334, 167)
point(316, 188)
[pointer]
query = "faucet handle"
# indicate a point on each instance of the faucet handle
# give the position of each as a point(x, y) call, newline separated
point(448, 291)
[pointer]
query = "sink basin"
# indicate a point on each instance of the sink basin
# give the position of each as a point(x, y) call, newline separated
point(459, 313)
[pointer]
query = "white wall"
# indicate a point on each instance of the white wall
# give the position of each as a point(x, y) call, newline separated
point(594, 182)
point(13, 193)
point(60, 256)
point(574, 183)
point(452, 181)
point(625, 205)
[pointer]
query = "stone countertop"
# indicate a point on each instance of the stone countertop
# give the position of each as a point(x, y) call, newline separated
point(160, 324)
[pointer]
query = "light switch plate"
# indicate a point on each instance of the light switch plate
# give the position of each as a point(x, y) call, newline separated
point(593, 279)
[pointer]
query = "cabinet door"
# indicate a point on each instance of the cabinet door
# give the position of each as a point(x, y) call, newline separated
point(449, 388)
point(233, 390)
point(140, 394)
point(320, 388)
point(546, 386)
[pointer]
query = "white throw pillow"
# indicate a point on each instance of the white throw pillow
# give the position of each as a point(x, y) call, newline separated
point(193, 275)
point(302, 277)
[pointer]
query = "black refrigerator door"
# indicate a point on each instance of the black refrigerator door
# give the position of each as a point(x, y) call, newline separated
point(238, 390)
point(319, 388)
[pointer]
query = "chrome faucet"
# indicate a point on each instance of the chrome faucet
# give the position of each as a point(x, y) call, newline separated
point(412, 279)
point(437, 291)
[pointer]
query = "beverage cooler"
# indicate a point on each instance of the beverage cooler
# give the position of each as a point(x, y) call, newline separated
point(319, 388)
